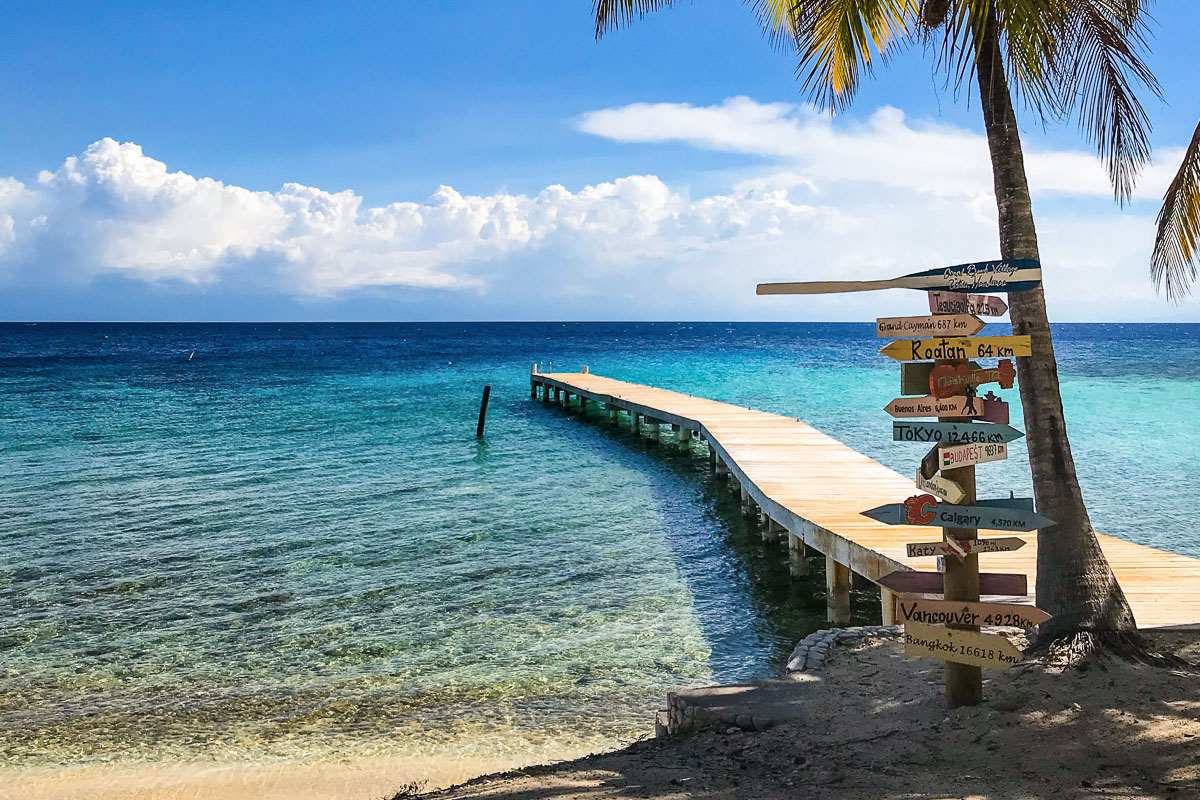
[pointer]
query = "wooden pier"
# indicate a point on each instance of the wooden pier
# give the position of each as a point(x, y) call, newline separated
point(809, 487)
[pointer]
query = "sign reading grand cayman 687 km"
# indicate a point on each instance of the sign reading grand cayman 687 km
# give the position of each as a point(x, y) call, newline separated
point(941, 325)
point(924, 509)
point(1005, 275)
point(953, 432)
point(958, 349)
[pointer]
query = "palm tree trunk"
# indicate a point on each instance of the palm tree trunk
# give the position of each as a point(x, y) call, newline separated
point(1074, 580)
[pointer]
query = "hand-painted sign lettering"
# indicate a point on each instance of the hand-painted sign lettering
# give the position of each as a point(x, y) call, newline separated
point(1009, 275)
point(939, 325)
point(948, 380)
point(926, 510)
point(954, 432)
point(958, 349)
point(962, 647)
point(957, 303)
point(989, 407)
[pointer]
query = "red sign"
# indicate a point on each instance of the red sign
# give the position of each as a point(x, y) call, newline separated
point(947, 380)
point(907, 581)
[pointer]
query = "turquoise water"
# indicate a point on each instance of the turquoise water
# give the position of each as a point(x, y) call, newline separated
point(291, 545)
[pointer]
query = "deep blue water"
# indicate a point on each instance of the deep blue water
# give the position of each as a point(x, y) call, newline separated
point(292, 544)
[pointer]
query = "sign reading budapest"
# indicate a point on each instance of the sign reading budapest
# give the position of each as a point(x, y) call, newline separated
point(1009, 275)
point(942, 325)
point(966, 455)
point(981, 305)
point(958, 349)
point(986, 408)
point(953, 432)
point(948, 380)
point(961, 647)
point(924, 509)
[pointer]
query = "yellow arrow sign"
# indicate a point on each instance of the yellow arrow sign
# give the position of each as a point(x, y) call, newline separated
point(961, 647)
point(960, 349)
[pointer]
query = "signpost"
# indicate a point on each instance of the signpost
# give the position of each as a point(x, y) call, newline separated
point(960, 646)
point(947, 381)
point(942, 325)
point(954, 432)
point(958, 349)
point(908, 581)
point(949, 612)
point(924, 509)
point(1004, 544)
point(1009, 275)
point(957, 303)
point(938, 486)
point(986, 408)
point(914, 376)
point(966, 455)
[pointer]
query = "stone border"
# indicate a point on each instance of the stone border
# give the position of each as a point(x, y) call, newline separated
point(810, 654)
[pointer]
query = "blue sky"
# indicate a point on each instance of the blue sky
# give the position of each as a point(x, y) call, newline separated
point(680, 145)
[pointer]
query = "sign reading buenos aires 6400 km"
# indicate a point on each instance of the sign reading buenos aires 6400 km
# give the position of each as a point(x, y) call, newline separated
point(959, 349)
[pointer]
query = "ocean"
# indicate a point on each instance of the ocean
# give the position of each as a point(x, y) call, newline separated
point(282, 542)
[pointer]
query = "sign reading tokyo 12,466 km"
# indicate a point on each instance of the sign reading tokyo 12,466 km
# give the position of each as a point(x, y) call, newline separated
point(1005, 275)
point(960, 349)
point(953, 432)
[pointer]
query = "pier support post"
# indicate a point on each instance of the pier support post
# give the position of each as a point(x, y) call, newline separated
point(582, 404)
point(533, 384)
point(887, 605)
point(772, 529)
point(719, 468)
point(655, 429)
point(635, 422)
point(798, 565)
point(614, 414)
point(685, 439)
point(837, 587)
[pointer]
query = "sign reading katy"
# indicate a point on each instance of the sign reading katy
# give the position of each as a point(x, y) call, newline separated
point(937, 354)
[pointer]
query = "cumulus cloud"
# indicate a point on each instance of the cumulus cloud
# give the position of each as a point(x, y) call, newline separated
point(836, 199)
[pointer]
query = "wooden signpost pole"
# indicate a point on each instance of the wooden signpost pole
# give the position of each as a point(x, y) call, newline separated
point(964, 682)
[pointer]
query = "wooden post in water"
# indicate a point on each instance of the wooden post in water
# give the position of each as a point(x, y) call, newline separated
point(613, 413)
point(533, 382)
point(685, 438)
point(887, 605)
point(487, 392)
point(798, 565)
point(837, 588)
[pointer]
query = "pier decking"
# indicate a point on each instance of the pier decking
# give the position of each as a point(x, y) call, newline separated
point(810, 487)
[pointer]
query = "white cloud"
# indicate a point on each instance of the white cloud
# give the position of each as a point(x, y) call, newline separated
point(838, 199)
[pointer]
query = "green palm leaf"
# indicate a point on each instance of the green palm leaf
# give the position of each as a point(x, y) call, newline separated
point(1173, 263)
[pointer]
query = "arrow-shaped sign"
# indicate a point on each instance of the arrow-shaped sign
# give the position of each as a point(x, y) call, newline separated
point(957, 303)
point(1004, 544)
point(1009, 275)
point(961, 647)
point(924, 509)
point(965, 455)
point(907, 581)
point(941, 487)
point(989, 407)
point(963, 612)
point(947, 380)
point(958, 349)
point(954, 432)
point(941, 325)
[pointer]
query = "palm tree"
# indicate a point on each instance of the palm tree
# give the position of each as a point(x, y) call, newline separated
point(1173, 264)
point(1064, 58)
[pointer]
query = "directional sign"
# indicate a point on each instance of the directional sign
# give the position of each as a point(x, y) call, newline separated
point(958, 349)
point(1009, 275)
point(991, 409)
point(941, 325)
point(907, 581)
point(953, 432)
point(948, 380)
point(957, 303)
point(929, 464)
point(914, 375)
point(964, 455)
point(941, 487)
point(963, 612)
point(924, 509)
point(1004, 544)
point(961, 647)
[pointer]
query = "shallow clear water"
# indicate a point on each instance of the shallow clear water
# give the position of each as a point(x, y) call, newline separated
point(291, 545)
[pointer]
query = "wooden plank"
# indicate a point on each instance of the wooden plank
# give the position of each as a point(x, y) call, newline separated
point(954, 432)
point(961, 647)
point(981, 305)
point(963, 455)
point(1009, 275)
point(1004, 544)
point(914, 376)
point(925, 510)
point(939, 486)
point(962, 612)
point(990, 409)
point(949, 380)
point(960, 349)
point(933, 325)
point(914, 582)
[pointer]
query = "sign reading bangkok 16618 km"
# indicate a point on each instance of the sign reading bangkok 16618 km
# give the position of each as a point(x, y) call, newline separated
point(962, 647)
point(960, 349)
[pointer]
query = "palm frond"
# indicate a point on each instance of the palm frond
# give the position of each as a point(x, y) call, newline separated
point(613, 14)
point(839, 40)
point(778, 21)
point(1173, 263)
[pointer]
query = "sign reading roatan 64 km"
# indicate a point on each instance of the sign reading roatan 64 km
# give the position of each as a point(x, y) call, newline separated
point(958, 349)
point(1006, 275)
